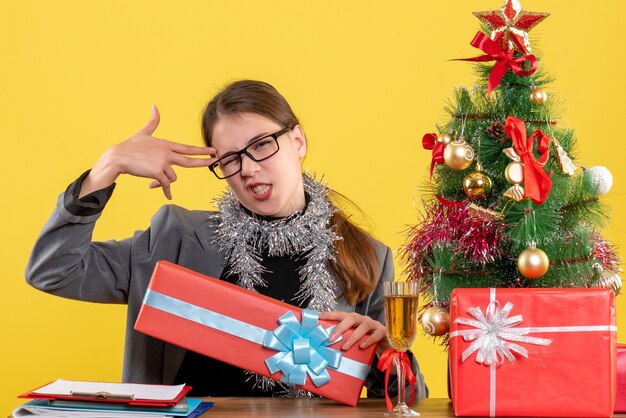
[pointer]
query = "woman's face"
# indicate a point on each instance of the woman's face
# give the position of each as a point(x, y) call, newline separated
point(272, 187)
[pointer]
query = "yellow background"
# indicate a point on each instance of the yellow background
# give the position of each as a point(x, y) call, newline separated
point(367, 78)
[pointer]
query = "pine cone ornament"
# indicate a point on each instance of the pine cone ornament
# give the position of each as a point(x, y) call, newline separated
point(496, 131)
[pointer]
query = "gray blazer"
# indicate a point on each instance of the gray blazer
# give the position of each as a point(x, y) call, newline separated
point(66, 262)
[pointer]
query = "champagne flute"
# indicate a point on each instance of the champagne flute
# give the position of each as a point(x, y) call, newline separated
point(401, 304)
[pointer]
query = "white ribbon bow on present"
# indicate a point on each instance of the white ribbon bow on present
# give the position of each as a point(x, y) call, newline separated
point(493, 333)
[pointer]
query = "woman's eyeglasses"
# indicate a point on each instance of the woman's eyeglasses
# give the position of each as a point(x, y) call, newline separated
point(259, 150)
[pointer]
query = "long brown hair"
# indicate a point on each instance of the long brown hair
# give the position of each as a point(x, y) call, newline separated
point(355, 265)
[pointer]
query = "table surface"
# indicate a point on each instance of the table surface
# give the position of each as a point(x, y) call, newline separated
point(295, 408)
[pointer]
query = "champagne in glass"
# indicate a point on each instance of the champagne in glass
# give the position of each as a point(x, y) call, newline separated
point(401, 304)
point(401, 318)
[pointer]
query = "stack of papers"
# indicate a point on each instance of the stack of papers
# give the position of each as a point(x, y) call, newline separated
point(66, 398)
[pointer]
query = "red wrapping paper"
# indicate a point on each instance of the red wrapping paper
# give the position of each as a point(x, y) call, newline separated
point(573, 376)
point(620, 399)
point(244, 305)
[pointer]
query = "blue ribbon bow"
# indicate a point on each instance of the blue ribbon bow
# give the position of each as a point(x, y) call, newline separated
point(302, 349)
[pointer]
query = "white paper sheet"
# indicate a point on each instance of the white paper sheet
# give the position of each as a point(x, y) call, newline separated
point(149, 392)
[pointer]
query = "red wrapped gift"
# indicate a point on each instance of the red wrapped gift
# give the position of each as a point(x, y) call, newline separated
point(620, 399)
point(533, 352)
point(251, 331)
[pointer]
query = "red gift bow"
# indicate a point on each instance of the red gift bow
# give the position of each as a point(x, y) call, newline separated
point(537, 182)
point(505, 61)
point(429, 141)
point(384, 365)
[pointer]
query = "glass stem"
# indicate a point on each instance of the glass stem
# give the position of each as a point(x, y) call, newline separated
point(401, 382)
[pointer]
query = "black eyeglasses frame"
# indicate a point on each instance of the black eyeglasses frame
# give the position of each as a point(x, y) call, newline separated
point(239, 153)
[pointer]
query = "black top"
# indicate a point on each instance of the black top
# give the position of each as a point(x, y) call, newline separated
point(210, 377)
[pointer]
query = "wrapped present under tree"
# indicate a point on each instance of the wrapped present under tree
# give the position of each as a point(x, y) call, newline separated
point(533, 352)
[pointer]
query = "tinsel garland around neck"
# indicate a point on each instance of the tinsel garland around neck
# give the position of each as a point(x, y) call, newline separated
point(245, 237)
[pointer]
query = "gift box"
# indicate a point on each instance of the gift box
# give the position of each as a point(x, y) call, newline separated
point(533, 352)
point(620, 399)
point(251, 331)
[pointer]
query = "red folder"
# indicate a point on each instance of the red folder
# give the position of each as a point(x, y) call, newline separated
point(100, 396)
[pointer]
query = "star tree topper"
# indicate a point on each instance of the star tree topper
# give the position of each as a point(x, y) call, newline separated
point(510, 25)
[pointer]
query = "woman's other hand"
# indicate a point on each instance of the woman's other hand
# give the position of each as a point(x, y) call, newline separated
point(364, 325)
point(144, 155)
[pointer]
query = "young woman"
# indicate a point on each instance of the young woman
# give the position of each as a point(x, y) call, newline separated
point(277, 231)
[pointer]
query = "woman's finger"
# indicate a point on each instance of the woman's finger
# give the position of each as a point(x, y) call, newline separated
point(359, 332)
point(152, 124)
point(190, 149)
point(189, 162)
point(377, 336)
point(167, 191)
point(333, 315)
point(170, 173)
point(347, 323)
point(164, 181)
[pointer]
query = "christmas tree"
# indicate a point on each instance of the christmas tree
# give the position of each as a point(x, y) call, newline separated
point(508, 202)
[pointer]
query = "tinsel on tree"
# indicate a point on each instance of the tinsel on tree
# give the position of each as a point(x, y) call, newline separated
point(508, 204)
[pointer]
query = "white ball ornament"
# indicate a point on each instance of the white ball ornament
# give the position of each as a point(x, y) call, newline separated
point(601, 177)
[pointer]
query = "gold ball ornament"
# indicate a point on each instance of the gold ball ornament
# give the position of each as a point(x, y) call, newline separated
point(533, 263)
point(436, 321)
point(446, 138)
point(458, 154)
point(538, 96)
point(514, 173)
point(477, 185)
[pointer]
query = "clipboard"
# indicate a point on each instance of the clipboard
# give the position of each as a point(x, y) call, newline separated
point(127, 393)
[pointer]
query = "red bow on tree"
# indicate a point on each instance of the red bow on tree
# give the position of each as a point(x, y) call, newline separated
point(505, 60)
point(429, 141)
point(537, 182)
point(384, 365)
